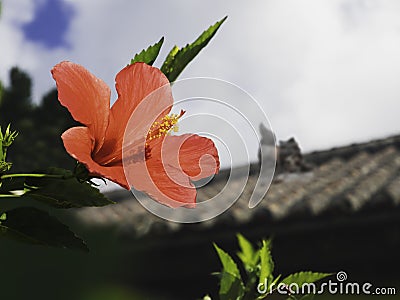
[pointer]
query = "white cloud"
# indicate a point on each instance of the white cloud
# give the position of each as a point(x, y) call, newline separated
point(17, 51)
point(324, 71)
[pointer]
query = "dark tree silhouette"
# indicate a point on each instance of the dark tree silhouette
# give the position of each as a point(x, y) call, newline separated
point(40, 126)
point(16, 103)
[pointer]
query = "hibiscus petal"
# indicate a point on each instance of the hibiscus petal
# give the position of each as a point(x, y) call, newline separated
point(86, 97)
point(197, 156)
point(79, 143)
point(141, 98)
point(163, 183)
point(173, 162)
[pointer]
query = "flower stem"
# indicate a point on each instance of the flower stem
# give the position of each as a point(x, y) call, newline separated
point(9, 196)
point(30, 175)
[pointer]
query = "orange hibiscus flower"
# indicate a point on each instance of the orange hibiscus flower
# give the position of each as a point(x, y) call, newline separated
point(163, 165)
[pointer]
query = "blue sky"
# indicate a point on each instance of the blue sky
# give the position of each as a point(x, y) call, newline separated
point(325, 72)
point(50, 23)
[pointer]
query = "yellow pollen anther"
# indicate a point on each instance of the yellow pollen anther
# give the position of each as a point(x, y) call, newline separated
point(167, 124)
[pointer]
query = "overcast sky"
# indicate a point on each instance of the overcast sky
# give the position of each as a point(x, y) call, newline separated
point(325, 72)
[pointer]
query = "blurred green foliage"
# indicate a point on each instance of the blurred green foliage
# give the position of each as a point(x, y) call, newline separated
point(40, 126)
point(1, 91)
point(1, 86)
point(260, 282)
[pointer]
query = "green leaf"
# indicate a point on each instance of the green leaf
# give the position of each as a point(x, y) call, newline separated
point(8, 137)
point(227, 262)
point(271, 290)
point(64, 192)
point(6, 140)
point(4, 166)
point(169, 60)
point(3, 217)
point(267, 264)
point(307, 297)
point(178, 59)
point(231, 285)
point(304, 277)
point(247, 255)
point(33, 226)
point(149, 55)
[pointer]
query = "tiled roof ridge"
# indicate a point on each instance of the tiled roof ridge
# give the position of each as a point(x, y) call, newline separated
point(352, 179)
point(347, 151)
point(322, 156)
point(315, 157)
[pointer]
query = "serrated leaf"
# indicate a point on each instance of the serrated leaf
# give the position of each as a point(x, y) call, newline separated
point(247, 255)
point(231, 285)
point(66, 192)
point(178, 59)
point(266, 263)
point(304, 277)
point(150, 54)
point(275, 281)
point(33, 226)
point(167, 65)
point(271, 290)
point(227, 262)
